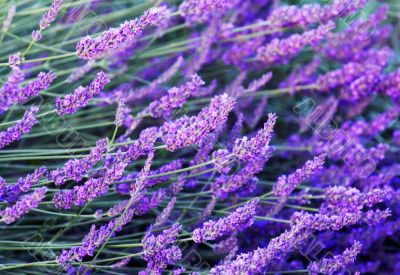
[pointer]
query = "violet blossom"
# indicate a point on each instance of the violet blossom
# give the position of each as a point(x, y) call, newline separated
point(186, 130)
point(240, 219)
point(23, 206)
point(91, 48)
point(22, 127)
point(80, 97)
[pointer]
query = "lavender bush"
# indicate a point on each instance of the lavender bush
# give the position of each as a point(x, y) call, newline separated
point(199, 137)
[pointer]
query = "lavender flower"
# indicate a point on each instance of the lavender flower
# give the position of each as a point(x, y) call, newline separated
point(225, 184)
point(247, 150)
point(255, 262)
point(143, 145)
point(186, 131)
point(200, 11)
point(13, 94)
point(9, 18)
point(302, 76)
point(350, 44)
point(321, 222)
point(382, 121)
point(92, 188)
point(50, 15)
point(362, 86)
point(279, 51)
point(221, 158)
point(175, 98)
point(159, 251)
point(338, 262)
point(292, 16)
point(121, 113)
point(241, 50)
point(258, 83)
point(94, 239)
point(91, 48)
point(15, 59)
point(121, 263)
point(22, 127)
point(129, 93)
point(10, 88)
point(75, 169)
point(240, 219)
point(164, 215)
point(227, 245)
point(352, 71)
point(374, 217)
point(389, 85)
point(286, 184)
point(47, 18)
point(178, 185)
point(23, 206)
point(339, 199)
point(32, 89)
point(81, 96)
point(23, 185)
point(140, 204)
point(36, 35)
point(125, 188)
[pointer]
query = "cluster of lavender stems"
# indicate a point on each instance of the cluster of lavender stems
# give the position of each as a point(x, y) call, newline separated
point(199, 137)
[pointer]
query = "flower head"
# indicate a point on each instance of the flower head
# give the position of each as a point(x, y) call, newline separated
point(23, 126)
point(75, 169)
point(186, 131)
point(247, 150)
point(81, 96)
point(286, 184)
point(202, 10)
point(91, 48)
point(338, 262)
point(240, 219)
point(23, 206)
point(175, 98)
point(280, 50)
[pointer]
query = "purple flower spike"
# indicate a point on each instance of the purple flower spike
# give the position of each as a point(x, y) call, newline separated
point(258, 146)
point(23, 205)
point(81, 96)
point(159, 251)
point(175, 98)
point(164, 215)
point(338, 262)
point(286, 184)
point(201, 11)
point(292, 16)
point(22, 127)
point(10, 15)
point(242, 218)
point(121, 113)
point(255, 262)
point(94, 239)
point(15, 59)
point(23, 185)
point(258, 83)
point(225, 184)
point(51, 14)
point(75, 169)
point(42, 82)
point(281, 50)
point(93, 187)
point(187, 131)
point(91, 48)
point(13, 94)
